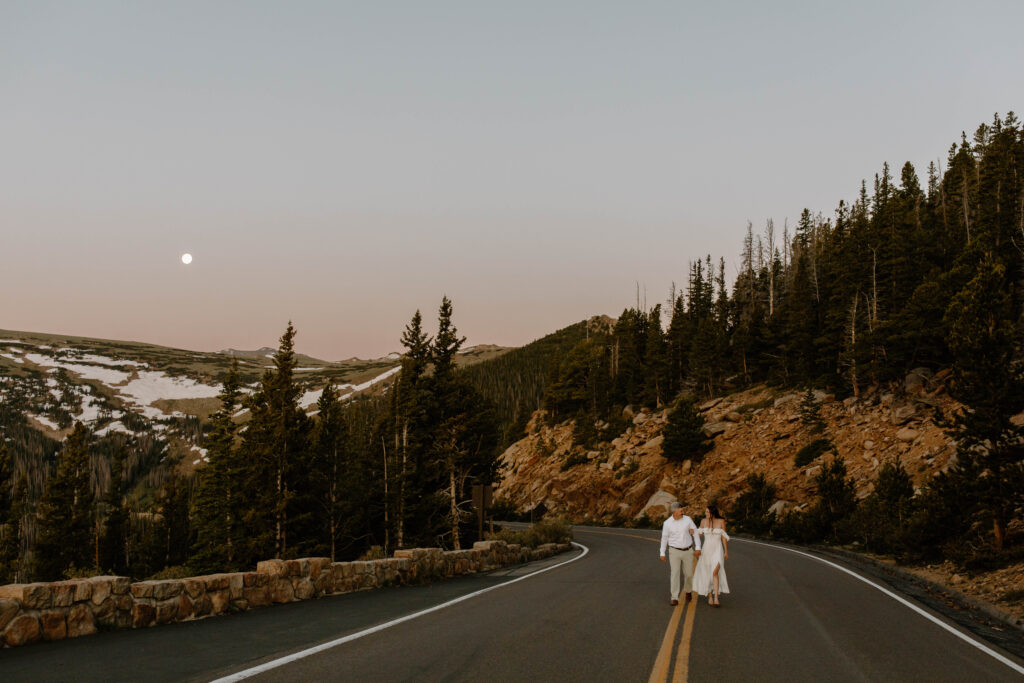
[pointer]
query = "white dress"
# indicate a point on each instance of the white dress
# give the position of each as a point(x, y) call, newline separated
point(711, 553)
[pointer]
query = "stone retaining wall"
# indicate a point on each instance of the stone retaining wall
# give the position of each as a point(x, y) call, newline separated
point(30, 612)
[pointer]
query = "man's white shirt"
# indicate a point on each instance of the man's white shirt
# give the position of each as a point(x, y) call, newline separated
point(676, 533)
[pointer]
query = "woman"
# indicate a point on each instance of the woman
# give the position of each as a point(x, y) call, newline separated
point(709, 576)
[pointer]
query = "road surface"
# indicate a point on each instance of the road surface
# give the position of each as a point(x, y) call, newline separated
point(600, 613)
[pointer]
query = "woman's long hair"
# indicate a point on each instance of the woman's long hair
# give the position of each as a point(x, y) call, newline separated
point(715, 514)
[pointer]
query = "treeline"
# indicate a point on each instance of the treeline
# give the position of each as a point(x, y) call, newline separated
point(350, 479)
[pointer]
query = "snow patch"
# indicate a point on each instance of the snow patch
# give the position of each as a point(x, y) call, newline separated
point(43, 420)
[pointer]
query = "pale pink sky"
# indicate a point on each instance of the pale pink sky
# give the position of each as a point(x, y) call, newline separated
point(343, 164)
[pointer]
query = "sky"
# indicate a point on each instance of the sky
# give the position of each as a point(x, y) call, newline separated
point(343, 164)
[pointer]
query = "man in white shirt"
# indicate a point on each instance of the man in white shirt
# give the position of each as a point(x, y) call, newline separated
point(680, 538)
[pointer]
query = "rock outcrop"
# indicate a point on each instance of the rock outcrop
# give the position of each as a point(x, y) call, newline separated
point(757, 431)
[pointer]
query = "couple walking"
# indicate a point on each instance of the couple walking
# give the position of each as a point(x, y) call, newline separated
point(685, 542)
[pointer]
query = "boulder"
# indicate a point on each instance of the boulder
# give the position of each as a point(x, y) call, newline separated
point(903, 414)
point(640, 419)
point(23, 630)
point(628, 411)
point(916, 381)
point(869, 445)
point(657, 505)
point(715, 428)
point(733, 416)
point(80, 622)
point(907, 434)
point(55, 624)
point(30, 595)
point(708, 405)
point(8, 608)
point(686, 467)
point(778, 508)
point(783, 400)
point(1017, 420)
point(654, 443)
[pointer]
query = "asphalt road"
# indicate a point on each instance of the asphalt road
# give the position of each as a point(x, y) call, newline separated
point(597, 615)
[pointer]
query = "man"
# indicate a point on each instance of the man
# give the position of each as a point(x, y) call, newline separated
point(679, 537)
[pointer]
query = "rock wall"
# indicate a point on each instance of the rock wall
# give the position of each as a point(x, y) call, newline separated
point(32, 612)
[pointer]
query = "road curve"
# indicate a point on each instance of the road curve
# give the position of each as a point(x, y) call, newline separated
point(603, 617)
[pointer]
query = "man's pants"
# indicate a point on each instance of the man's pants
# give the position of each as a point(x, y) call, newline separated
point(680, 559)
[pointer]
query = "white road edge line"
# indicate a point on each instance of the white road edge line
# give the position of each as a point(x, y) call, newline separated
point(962, 636)
point(273, 664)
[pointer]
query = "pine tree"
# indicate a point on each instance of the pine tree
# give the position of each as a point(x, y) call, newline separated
point(684, 433)
point(215, 514)
point(990, 384)
point(113, 542)
point(8, 523)
point(66, 512)
point(810, 413)
point(276, 440)
point(331, 471)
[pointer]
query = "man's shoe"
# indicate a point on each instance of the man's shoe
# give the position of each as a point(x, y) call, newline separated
point(689, 596)
point(674, 602)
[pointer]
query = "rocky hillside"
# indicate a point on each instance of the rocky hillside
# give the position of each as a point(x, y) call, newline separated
point(755, 431)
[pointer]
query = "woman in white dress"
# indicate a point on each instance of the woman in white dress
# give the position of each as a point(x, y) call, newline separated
point(709, 576)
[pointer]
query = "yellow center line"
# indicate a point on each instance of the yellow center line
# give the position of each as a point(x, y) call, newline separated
point(681, 671)
point(682, 668)
point(660, 672)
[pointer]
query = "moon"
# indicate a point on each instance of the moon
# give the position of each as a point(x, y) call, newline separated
point(186, 259)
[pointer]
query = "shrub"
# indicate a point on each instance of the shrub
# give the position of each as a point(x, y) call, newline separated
point(545, 531)
point(574, 457)
point(812, 451)
point(750, 513)
point(374, 552)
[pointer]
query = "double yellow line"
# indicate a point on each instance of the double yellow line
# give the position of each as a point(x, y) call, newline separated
point(685, 612)
point(682, 662)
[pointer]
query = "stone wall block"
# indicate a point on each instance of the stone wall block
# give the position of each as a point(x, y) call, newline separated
point(120, 585)
point(202, 606)
point(250, 579)
point(257, 596)
point(216, 582)
point(317, 565)
point(162, 590)
point(83, 590)
point(142, 589)
point(143, 614)
point(273, 567)
point(303, 588)
point(101, 589)
point(55, 624)
point(296, 568)
point(22, 630)
point(324, 584)
point(219, 600)
point(239, 605)
point(236, 582)
point(167, 610)
point(194, 587)
point(81, 621)
point(30, 595)
point(283, 591)
point(8, 608)
point(62, 593)
point(185, 607)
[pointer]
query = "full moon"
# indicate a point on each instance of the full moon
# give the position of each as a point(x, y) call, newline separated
point(186, 259)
